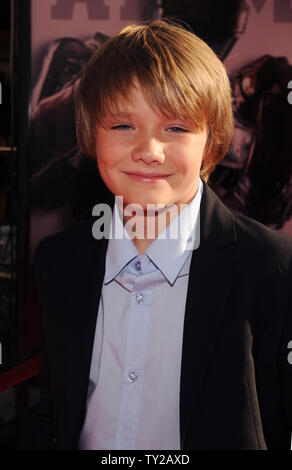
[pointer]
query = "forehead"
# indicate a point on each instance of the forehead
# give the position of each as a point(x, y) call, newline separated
point(137, 100)
point(133, 101)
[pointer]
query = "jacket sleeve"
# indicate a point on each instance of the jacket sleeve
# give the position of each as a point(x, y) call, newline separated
point(286, 364)
point(37, 423)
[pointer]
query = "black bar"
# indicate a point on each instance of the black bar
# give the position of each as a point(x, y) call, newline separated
point(21, 128)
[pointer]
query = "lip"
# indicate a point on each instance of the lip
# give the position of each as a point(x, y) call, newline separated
point(146, 177)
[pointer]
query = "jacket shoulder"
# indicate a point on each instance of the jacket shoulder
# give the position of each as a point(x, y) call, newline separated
point(262, 242)
point(65, 239)
point(63, 251)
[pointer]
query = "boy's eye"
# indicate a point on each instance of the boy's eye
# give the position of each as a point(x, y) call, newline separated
point(121, 127)
point(177, 129)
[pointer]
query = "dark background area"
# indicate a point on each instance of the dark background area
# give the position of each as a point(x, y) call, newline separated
point(15, 383)
point(7, 226)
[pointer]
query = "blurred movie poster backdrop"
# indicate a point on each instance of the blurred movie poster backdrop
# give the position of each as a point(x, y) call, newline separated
point(64, 183)
point(252, 37)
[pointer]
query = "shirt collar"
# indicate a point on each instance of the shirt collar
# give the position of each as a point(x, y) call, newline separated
point(165, 249)
point(121, 250)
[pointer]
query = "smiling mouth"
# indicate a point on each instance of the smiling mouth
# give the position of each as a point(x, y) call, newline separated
point(146, 177)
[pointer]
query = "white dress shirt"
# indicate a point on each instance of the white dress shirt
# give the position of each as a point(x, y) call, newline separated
point(134, 387)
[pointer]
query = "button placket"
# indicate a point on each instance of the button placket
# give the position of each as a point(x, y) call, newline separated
point(136, 345)
point(140, 298)
point(132, 376)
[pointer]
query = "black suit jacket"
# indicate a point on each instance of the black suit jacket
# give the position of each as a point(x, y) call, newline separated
point(236, 380)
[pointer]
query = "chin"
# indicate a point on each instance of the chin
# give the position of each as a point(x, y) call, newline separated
point(149, 201)
point(141, 200)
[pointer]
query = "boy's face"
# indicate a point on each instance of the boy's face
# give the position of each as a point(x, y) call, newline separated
point(148, 158)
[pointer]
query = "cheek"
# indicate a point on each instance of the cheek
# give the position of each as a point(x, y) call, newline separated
point(188, 164)
point(105, 159)
point(109, 155)
point(108, 164)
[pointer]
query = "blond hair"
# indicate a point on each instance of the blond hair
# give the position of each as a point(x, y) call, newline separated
point(178, 73)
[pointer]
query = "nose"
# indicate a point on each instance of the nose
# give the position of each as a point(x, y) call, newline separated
point(148, 150)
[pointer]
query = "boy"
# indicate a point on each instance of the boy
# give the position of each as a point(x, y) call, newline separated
point(153, 341)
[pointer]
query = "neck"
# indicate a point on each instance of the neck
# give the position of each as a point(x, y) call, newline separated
point(144, 229)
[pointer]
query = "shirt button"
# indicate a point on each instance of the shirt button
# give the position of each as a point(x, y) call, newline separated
point(138, 266)
point(132, 376)
point(140, 298)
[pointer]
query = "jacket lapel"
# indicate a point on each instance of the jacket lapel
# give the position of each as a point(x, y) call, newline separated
point(90, 264)
point(209, 284)
point(80, 336)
